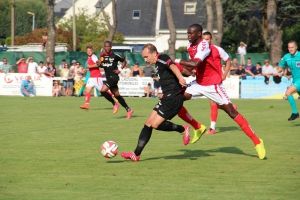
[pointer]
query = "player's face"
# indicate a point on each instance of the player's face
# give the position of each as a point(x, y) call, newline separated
point(107, 47)
point(292, 47)
point(193, 35)
point(89, 51)
point(149, 57)
point(207, 38)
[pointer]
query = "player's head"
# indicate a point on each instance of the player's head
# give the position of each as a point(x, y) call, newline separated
point(150, 53)
point(107, 46)
point(292, 47)
point(207, 36)
point(194, 33)
point(89, 50)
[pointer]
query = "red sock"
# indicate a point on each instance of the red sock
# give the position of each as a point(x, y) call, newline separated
point(213, 111)
point(87, 98)
point(185, 116)
point(245, 126)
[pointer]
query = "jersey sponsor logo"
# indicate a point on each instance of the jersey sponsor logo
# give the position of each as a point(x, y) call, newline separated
point(298, 64)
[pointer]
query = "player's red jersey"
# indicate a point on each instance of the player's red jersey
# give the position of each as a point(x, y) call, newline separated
point(95, 71)
point(209, 72)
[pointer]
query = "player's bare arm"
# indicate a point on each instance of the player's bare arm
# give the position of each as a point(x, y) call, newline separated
point(227, 69)
point(178, 74)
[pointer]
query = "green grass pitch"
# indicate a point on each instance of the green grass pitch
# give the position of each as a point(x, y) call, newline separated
point(49, 151)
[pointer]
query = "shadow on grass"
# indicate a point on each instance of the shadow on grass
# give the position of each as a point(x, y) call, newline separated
point(194, 154)
point(227, 129)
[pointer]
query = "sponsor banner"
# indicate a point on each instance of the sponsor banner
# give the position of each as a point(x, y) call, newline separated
point(133, 86)
point(10, 84)
point(256, 88)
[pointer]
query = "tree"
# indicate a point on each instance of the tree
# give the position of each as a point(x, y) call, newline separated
point(210, 17)
point(112, 28)
point(171, 26)
point(219, 9)
point(84, 24)
point(50, 46)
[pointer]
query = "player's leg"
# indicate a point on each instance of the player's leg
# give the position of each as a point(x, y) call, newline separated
point(289, 94)
point(121, 100)
point(213, 117)
point(87, 97)
point(108, 96)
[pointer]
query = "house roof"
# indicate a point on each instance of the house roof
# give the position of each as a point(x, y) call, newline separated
point(145, 26)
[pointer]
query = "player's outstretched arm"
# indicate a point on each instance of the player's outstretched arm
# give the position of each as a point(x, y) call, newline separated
point(178, 74)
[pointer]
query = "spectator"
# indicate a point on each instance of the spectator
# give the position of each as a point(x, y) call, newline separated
point(241, 72)
point(61, 66)
point(242, 51)
point(148, 91)
point(136, 70)
point(27, 87)
point(64, 73)
point(51, 70)
point(156, 84)
point(234, 66)
point(79, 73)
point(41, 69)
point(125, 71)
point(267, 71)
point(248, 67)
point(257, 70)
point(22, 65)
point(5, 67)
point(148, 70)
point(277, 74)
point(70, 81)
point(57, 89)
point(32, 66)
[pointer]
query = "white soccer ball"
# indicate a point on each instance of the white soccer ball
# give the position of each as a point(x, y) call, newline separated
point(109, 149)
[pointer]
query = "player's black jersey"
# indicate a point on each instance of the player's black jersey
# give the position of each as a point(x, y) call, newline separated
point(167, 79)
point(109, 62)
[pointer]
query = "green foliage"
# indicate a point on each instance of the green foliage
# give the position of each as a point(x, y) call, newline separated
point(90, 30)
point(23, 21)
point(291, 33)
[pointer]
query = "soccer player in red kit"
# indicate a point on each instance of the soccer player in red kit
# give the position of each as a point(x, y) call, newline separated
point(206, 60)
point(95, 79)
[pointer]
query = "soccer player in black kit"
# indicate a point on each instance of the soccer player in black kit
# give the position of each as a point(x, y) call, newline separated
point(109, 62)
point(172, 83)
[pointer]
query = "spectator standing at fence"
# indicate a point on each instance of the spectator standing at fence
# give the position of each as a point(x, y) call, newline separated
point(51, 70)
point(234, 66)
point(242, 51)
point(248, 67)
point(64, 73)
point(41, 69)
point(22, 65)
point(291, 61)
point(267, 71)
point(32, 66)
point(5, 67)
point(27, 87)
point(61, 66)
point(136, 71)
point(148, 70)
point(241, 72)
point(70, 81)
point(125, 71)
point(257, 70)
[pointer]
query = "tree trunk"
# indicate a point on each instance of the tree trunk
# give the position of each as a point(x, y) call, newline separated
point(219, 9)
point(274, 32)
point(171, 26)
point(210, 17)
point(50, 46)
point(112, 28)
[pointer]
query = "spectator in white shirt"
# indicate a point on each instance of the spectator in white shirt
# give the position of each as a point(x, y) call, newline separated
point(242, 51)
point(267, 71)
point(32, 66)
point(41, 69)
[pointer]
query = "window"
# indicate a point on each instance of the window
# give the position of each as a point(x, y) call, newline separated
point(190, 8)
point(136, 14)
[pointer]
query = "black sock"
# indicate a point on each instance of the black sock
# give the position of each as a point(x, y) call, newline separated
point(170, 126)
point(145, 136)
point(122, 102)
point(108, 97)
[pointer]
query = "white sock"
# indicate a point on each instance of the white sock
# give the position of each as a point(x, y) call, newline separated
point(213, 125)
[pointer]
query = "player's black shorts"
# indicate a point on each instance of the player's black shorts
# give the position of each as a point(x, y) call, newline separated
point(168, 107)
point(112, 82)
